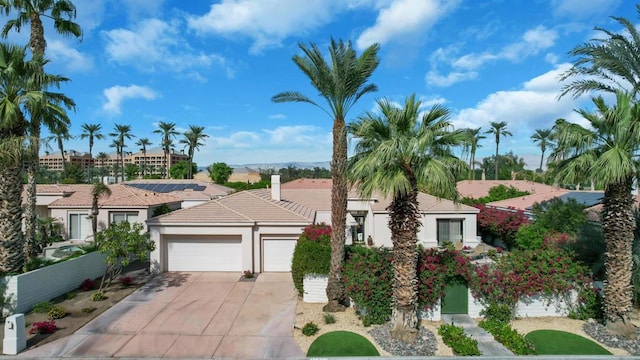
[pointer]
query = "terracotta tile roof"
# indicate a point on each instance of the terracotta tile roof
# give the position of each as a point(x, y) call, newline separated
point(428, 203)
point(307, 184)
point(527, 201)
point(206, 213)
point(122, 196)
point(480, 188)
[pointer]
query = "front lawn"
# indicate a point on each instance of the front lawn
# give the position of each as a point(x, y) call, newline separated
point(554, 342)
point(342, 343)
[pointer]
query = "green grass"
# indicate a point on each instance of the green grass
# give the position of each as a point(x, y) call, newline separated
point(553, 342)
point(342, 343)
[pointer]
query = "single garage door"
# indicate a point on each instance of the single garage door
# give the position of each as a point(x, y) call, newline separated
point(277, 254)
point(204, 254)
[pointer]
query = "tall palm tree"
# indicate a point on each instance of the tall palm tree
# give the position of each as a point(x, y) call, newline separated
point(121, 133)
point(609, 62)
point(498, 129)
point(192, 140)
point(607, 152)
point(102, 157)
point(542, 137)
point(30, 12)
point(168, 132)
point(91, 132)
point(98, 190)
point(143, 143)
point(341, 81)
point(399, 152)
point(472, 143)
point(60, 133)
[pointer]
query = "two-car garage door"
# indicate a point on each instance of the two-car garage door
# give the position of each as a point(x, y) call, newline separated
point(204, 253)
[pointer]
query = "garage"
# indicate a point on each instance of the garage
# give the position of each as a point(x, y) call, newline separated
point(204, 253)
point(277, 254)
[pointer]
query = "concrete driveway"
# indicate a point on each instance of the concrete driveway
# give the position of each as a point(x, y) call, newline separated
point(191, 315)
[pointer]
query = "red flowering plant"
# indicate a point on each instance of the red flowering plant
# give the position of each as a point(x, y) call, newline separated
point(435, 269)
point(43, 327)
point(501, 224)
point(317, 232)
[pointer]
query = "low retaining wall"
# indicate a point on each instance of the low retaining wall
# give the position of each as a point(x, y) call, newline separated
point(315, 288)
point(46, 283)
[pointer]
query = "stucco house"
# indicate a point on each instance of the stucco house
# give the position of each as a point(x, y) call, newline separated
point(71, 205)
point(192, 192)
point(257, 229)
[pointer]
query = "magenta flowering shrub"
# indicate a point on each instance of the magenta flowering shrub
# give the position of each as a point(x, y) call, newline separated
point(501, 224)
point(317, 231)
point(435, 268)
point(43, 327)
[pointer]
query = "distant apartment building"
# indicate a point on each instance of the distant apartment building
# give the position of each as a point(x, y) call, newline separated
point(154, 160)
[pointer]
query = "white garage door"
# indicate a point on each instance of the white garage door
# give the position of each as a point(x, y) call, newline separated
point(277, 254)
point(204, 254)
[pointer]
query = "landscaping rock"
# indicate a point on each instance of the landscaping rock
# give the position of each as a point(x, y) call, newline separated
point(424, 345)
point(598, 332)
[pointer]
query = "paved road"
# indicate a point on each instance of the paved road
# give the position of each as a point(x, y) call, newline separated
point(191, 315)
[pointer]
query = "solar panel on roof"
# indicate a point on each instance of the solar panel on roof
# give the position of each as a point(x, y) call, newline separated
point(166, 188)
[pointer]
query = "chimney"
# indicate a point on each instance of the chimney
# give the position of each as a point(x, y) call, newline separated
point(275, 187)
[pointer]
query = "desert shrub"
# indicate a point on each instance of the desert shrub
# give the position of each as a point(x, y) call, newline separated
point(88, 310)
point(98, 296)
point(368, 275)
point(87, 285)
point(460, 343)
point(589, 304)
point(42, 307)
point(56, 312)
point(509, 337)
point(312, 254)
point(126, 280)
point(329, 318)
point(70, 295)
point(43, 327)
point(310, 329)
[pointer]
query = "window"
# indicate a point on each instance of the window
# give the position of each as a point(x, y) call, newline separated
point(78, 226)
point(449, 230)
point(357, 230)
point(130, 217)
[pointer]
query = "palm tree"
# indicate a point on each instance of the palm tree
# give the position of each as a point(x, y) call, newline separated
point(609, 62)
point(60, 133)
point(399, 152)
point(607, 152)
point(121, 133)
point(342, 81)
point(97, 191)
point(30, 12)
point(143, 143)
point(102, 157)
point(168, 132)
point(192, 142)
point(542, 137)
point(92, 132)
point(471, 143)
point(498, 129)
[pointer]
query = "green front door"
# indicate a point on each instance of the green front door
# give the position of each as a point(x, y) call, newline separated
point(456, 297)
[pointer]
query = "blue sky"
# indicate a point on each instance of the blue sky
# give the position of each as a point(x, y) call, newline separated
point(218, 63)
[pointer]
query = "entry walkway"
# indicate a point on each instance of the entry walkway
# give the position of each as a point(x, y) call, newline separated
point(487, 345)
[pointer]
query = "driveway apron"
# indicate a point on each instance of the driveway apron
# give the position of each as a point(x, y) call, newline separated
point(191, 315)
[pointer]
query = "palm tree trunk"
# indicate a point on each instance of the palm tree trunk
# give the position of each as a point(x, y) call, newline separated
point(30, 216)
point(404, 220)
point(618, 227)
point(90, 163)
point(11, 237)
point(496, 164)
point(335, 286)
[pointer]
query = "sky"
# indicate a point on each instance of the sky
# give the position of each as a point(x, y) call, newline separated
point(218, 63)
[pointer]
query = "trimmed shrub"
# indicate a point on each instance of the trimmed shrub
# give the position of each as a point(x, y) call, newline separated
point(43, 327)
point(508, 336)
point(368, 277)
point(501, 313)
point(56, 312)
point(98, 296)
point(87, 285)
point(312, 254)
point(42, 307)
point(310, 329)
point(460, 343)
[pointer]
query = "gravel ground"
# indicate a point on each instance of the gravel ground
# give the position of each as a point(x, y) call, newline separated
point(349, 321)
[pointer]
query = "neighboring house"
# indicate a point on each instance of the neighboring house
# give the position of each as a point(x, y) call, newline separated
point(525, 203)
point(71, 205)
point(192, 192)
point(246, 175)
point(257, 229)
point(480, 188)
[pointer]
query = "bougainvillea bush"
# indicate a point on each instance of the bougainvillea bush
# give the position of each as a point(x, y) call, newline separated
point(368, 279)
point(435, 269)
point(312, 254)
point(501, 224)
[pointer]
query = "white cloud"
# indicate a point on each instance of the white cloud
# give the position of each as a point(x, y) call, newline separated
point(435, 79)
point(278, 116)
point(580, 8)
point(155, 45)
point(400, 18)
point(296, 134)
point(117, 94)
point(266, 22)
point(73, 60)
